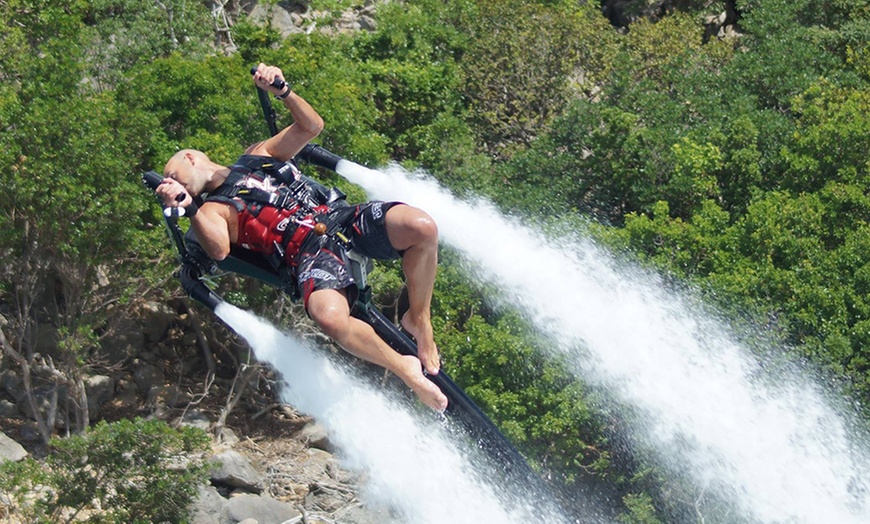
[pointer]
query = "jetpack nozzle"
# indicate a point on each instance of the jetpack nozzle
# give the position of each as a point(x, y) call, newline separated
point(196, 288)
point(319, 156)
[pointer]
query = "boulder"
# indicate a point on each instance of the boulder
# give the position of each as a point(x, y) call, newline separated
point(146, 376)
point(10, 450)
point(278, 17)
point(8, 409)
point(236, 471)
point(196, 419)
point(123, 342)
point(264, 510)
point(156, 319)
point(314, 435)
point(208, 506)
point(100, 389)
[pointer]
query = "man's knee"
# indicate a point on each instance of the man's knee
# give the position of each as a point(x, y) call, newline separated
point(329, 310)
point(422, 226)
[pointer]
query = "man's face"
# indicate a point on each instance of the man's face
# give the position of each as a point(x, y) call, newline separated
point(179, 168)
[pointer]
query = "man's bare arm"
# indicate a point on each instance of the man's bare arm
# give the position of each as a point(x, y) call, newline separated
point(211, 222)
point(212, 227)
point(306, 125)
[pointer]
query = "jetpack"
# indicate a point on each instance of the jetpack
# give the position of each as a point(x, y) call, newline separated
point(195, 265)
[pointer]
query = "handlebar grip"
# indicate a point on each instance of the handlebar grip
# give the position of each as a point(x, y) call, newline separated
point(151, 180)
point(277, 83)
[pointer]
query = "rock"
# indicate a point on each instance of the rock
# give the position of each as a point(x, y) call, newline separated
point(11, 383)
point(277, 16)
point(207, 506)
point(317, 464)
point(196, 419)
point(367, 23)
point(10, 450)
point(314, 435)
point(100, 389)
point(7, 409)
point(126, 397)
point(29, 431)
point(237, 472)
point(264, 510)
point(166, 396)
point(358, 514)
point(147, 376)
point(226, 436)
point(123, 342)
point(156, 319)
point(43, 398)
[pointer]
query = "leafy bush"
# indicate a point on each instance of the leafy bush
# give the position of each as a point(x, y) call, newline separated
point(131, 471)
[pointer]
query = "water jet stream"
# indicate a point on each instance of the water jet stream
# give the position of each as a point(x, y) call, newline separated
point(413, 467)
point(772, 445)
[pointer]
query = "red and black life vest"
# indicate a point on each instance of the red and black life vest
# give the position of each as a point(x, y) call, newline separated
point(277, 206)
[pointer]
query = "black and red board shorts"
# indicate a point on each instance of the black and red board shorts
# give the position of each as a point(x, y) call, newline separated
point(322, 262)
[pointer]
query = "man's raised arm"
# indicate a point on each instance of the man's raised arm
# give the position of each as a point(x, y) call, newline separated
point(306, 125)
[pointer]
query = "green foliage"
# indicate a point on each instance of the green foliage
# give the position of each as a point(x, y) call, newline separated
point(124, 33)
point(518, 78)
point(787, 53)
point(410, 64)
point(640, 509)
point(136, 471)
point(206, 104)
point(831, 139)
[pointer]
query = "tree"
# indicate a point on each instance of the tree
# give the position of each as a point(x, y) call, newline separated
point(134, 471)
point(71, 205)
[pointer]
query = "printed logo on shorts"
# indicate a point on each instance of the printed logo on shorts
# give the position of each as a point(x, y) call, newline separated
point(319, 274)
point(377, 213)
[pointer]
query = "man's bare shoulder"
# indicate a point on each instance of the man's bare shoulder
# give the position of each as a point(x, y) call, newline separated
point(257, 149)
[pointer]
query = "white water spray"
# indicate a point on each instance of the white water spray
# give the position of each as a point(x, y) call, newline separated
point(412, 466)
point(775, 447)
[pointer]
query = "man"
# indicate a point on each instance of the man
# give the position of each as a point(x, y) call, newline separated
point(285, 233)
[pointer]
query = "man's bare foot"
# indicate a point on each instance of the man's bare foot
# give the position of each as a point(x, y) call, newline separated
point(427, 351)
point(426, 391)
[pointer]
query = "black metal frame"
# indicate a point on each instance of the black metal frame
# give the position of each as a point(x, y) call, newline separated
point(195, 264)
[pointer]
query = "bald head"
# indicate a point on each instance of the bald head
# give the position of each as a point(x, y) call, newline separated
point(192, 168)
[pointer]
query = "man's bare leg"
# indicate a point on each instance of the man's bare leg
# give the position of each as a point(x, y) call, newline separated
point(330, 310)
point(414, 232)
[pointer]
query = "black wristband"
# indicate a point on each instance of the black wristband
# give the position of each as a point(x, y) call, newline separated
point(285, 94)
point(191, 209)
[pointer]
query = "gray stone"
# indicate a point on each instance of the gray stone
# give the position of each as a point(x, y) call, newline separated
point(125, 395)
point(167, 396)
point(157, 317)
point(207, 506)
point(42, 396)
point(123, 342)
point(236, 471)
point(100, 389)
point(10, 450)
point(29, 432)
point(196, 419)
point(264, 509)
point(315, 436)
point(318, 464)
point(147, 376)
point(367, 23)
point(8, 409)
point(277, 16)
point(11, 383)
point(359, 514)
